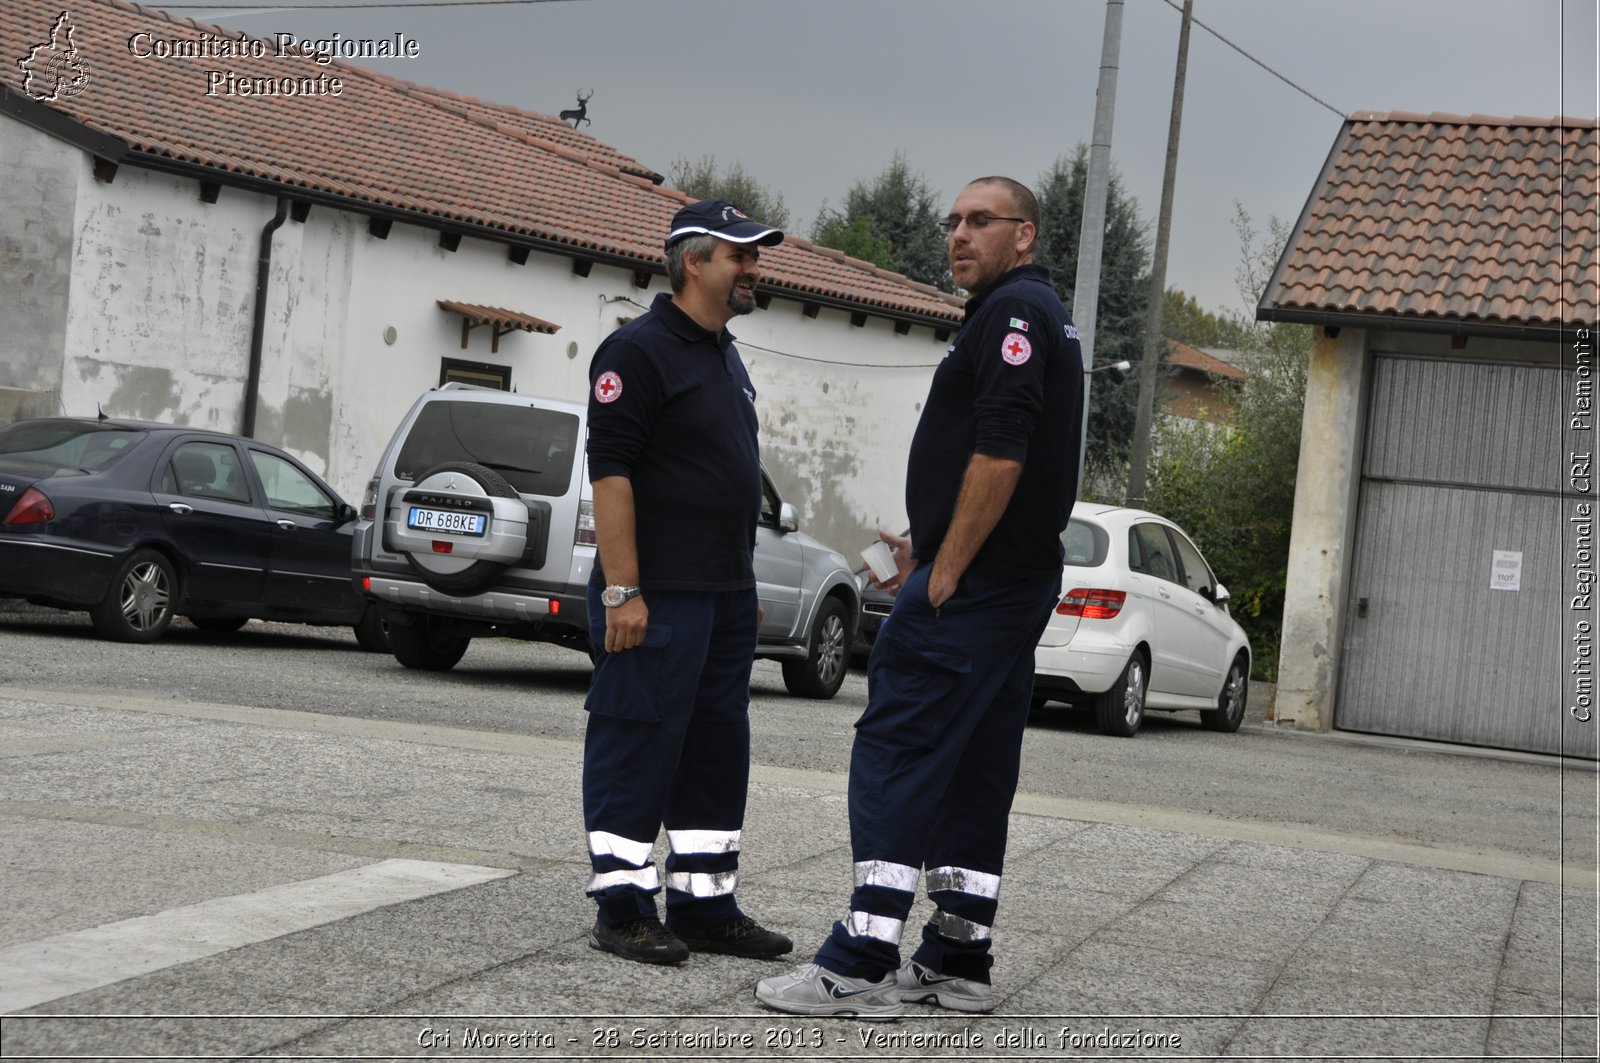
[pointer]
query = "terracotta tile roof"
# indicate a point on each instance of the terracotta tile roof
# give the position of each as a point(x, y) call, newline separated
point(531, 124)
point(387, 147)
point(502, 319)
point(1186, 357)
point(1446, 220)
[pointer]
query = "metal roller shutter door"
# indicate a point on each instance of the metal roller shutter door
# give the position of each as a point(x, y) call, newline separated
point(1461, 459)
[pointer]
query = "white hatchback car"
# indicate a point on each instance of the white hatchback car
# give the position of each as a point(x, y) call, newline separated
point(1142, 624)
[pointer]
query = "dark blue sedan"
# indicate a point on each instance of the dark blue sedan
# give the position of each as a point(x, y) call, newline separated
point(140, 522)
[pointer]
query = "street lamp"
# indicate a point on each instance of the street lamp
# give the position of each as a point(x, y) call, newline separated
point(1083, 441)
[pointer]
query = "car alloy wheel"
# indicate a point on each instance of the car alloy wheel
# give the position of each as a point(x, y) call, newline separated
point(1229, 713)
point(1133, 696)
point(1120, 710)
point(146, 594)
point(821, 673)
point(830, 649)
point(138, 604)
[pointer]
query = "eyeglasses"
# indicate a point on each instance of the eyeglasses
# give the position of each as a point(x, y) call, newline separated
point(978, 219)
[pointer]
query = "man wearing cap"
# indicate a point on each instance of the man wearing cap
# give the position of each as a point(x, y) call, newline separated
point(672, 603)
point(990, 484)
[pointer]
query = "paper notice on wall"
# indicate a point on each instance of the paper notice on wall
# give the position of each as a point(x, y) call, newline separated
point(1506, 574)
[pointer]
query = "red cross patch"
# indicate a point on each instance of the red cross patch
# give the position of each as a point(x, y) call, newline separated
point(608, 388)
point(1015, 348)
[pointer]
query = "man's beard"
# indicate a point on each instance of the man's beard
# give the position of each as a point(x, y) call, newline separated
point(740, 303)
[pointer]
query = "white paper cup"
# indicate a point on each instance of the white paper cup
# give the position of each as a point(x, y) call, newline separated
point(880, 559)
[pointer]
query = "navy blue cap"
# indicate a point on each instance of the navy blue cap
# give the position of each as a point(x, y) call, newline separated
point(719, 218)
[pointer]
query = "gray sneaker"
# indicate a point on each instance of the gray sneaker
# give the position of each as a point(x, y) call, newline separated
point(813, 990)
point(923, 985)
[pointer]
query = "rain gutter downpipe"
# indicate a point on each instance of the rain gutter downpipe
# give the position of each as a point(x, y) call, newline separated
point(258, 324)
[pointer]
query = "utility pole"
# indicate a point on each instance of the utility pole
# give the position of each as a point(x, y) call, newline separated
point(1154, 342)
point(1086, 288)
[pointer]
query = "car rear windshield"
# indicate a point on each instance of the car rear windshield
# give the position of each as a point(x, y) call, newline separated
point(1085, 544)
point(68, 444)
point(533, 449)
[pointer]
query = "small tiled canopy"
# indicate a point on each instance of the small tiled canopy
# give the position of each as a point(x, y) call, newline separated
point(1448, 223)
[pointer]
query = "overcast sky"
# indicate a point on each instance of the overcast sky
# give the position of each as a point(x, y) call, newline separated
point(812, 96)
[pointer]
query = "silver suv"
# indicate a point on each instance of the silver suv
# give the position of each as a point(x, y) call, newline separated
point(479, 523)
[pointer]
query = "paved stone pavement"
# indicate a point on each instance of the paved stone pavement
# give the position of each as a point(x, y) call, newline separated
point(191, 880)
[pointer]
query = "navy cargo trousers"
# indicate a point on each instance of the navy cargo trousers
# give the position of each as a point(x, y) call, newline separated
point(934, 769)
point(668, 743)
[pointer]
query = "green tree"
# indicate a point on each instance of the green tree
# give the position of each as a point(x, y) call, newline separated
point(899, 208)
point(856, 238)
point(736, 185)
point(1232, 487)
point(1120, 309)
point(1184, 319)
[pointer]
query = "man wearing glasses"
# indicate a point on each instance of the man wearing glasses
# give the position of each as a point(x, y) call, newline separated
point(990, 483)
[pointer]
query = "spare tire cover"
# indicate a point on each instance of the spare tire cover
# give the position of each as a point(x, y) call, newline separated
point(474, 526)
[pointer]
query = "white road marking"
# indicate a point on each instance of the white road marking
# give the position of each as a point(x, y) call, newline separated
point(53, 967)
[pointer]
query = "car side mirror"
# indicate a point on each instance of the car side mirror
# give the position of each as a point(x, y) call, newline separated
point(1220, 595)
point(788, 519)
point(345, 513)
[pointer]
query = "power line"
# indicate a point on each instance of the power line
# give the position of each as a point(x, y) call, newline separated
point(743, 344)
point(747, 345)
point(372, 4)
point(1303, 91)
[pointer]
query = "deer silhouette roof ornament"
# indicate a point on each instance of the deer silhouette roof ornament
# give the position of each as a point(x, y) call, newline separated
point(581, 112)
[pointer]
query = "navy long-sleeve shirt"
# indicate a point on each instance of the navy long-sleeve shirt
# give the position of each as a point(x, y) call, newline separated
point(1010, 387)
point(672, 408)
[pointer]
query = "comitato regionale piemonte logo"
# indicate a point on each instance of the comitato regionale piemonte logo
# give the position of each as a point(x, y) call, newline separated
point(55, 69)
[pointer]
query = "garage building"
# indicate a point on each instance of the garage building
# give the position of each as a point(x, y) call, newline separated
point(1442, 556)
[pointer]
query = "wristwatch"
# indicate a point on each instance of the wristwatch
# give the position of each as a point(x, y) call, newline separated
point(617, 594)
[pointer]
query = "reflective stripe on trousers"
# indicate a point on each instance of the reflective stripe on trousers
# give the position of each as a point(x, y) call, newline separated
point(934, 766)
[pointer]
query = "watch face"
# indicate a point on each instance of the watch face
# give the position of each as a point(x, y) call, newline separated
point(610, 597)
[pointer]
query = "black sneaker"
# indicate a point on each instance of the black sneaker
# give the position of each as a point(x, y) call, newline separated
point(643, 939)
point(737, 937)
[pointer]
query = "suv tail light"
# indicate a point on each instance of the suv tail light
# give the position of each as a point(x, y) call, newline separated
point(32, 508)
point(369, 500)
point(586, 534)
point(1092, 603)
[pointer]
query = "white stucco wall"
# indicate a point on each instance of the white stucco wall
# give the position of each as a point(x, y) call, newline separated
point(838, 407)
point(163, 288)
point(397, 283)
point(838, 403)
point(38, 194)
point(162, 291)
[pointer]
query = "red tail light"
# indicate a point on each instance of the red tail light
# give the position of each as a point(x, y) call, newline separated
point(443, 547)
point(32, 508)
point(1092, 603)
point(586, 531)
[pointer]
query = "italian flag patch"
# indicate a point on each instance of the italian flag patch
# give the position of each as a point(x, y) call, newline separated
point(1018, 323)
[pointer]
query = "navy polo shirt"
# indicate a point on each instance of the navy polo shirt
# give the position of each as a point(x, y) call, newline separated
point(672, 408)
point(1010, 386)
